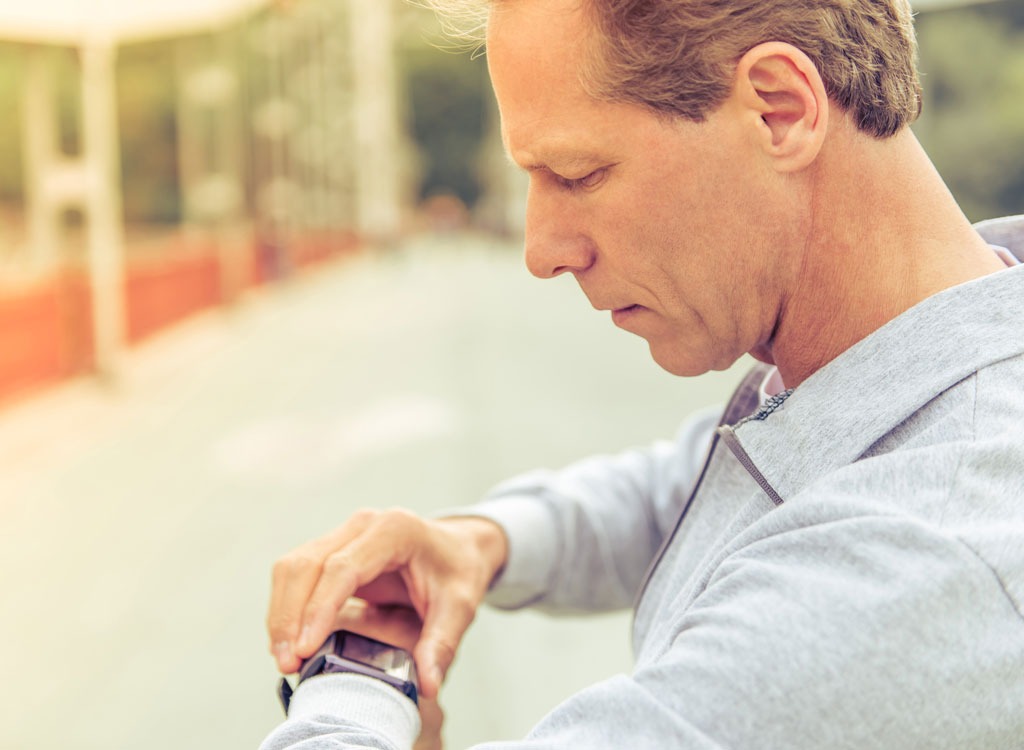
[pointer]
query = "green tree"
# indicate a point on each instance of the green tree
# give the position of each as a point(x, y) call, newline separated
point(973, 120)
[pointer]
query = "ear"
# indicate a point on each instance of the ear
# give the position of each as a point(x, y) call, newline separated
point(781, 88)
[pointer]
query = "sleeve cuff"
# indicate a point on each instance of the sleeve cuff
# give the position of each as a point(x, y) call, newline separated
point(361, 700)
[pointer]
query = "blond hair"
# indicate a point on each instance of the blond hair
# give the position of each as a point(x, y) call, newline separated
point(678, 56)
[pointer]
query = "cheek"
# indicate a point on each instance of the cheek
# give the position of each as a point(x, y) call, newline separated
point(683, 240)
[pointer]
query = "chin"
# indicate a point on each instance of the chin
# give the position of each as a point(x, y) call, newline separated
point(682, 366)
point(690, 364)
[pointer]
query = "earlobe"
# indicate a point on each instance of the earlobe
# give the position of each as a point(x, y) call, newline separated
point(780, 86)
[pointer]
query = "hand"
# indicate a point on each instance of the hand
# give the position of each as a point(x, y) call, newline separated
point(439, 568)
point(399, 626)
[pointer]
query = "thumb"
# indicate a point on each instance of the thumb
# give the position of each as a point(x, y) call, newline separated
point(443, 627)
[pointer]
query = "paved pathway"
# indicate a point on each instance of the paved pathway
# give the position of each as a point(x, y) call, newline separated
point(138, 524)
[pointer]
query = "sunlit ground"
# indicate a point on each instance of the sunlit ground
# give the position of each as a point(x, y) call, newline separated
point(138, 524)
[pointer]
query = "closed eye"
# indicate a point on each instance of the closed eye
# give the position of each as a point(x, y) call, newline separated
point(586, 182)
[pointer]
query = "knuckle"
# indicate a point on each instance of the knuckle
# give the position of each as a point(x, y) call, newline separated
point(295, 565)
point(363, 516)
point(464, 609)
point(341, 571)
point(282, 626)
point(317, 610)
point(444, 651)
point(337, 562)
point(280, 569)
point(398, 521)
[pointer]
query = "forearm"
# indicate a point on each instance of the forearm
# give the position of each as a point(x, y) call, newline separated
point(570, 549)
point(583, 537)
point(828, 625)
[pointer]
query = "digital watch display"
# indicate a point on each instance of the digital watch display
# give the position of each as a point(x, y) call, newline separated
point(344, 651)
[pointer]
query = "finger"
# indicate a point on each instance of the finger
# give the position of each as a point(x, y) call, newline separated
point(294, 578)
point(431, 721)
point(378, 550)
point(444, 624)
point(398, 626)
point(389, 589)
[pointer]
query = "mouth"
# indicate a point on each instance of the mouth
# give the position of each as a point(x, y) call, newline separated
point(622, 314)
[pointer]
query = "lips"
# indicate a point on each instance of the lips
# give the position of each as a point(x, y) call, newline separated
point(623, 314)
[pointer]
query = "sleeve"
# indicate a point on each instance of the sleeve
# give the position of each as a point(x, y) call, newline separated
point(819, 629)
point(838, 631)
point(336, 711)
point(582, 538)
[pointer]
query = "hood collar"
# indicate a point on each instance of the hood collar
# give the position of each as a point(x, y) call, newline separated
point(841, 410)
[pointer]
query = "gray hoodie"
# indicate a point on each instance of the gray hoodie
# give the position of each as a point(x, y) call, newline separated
point(840, 566)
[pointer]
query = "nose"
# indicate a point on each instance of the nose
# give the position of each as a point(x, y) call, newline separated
point(556, 238)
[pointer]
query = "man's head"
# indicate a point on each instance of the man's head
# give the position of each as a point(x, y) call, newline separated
point(685, 155)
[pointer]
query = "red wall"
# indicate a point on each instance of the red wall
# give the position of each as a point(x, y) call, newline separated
point(45, 332)
point(158, 294)
point(46, 328)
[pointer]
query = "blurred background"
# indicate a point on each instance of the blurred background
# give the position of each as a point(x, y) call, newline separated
point(259, 267)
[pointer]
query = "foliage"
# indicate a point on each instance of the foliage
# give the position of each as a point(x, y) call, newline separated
point(447, 99)
point(973, 121)
point(972, 126)
point(10, 124)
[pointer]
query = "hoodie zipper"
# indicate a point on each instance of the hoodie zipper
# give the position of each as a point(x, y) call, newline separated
point(740, 402)
point(728, 435)
point(743, 399)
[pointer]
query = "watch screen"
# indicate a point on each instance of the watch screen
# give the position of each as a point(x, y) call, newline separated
point(388, 659)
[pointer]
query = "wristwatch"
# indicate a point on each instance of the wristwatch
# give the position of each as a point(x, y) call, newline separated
point(344, 651)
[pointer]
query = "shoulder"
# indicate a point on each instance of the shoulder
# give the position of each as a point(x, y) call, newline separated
point(945, 486)
point(841, 617)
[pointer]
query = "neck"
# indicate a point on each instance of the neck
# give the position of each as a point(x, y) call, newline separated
point(873, 252)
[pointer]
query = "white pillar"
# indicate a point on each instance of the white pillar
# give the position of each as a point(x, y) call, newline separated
point(101, 161)
point(377, 139)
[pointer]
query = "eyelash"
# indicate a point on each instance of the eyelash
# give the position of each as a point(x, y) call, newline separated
point(591, 180)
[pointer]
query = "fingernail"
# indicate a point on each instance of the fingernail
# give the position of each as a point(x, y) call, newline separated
point(304, 637)
point(283, 652)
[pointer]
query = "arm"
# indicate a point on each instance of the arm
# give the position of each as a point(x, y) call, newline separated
point(582, 538)
point(439, 569)
point(606, 516)
point(828, 625)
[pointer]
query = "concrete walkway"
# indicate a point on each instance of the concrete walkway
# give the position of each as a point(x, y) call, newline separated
point(138, 524)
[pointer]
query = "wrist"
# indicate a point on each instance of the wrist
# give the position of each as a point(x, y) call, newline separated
point(347, 652)
point(486, 537)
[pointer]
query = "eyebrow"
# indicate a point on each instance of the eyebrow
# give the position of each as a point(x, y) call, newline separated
point(565, 162)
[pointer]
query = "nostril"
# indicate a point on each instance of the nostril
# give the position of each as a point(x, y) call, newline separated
point(538, 264)
point(548, 261)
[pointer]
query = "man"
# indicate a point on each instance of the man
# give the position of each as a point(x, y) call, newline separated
point(840, 563)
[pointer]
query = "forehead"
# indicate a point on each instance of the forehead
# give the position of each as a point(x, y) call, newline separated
point(535, 50)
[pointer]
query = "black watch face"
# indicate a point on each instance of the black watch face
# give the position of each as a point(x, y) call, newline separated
point(391, 660)
point(349, 652)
